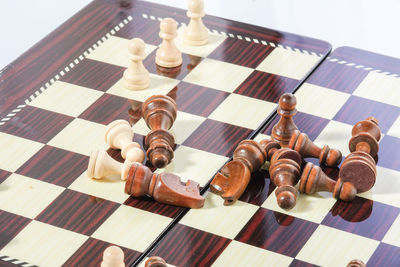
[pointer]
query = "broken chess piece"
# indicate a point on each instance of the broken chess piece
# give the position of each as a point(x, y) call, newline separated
point(313, 180)
point(163, 187)
point(285, 173)
point(302, 144)
point(119, 135)
point(113, 256)
point(195, 34)
point(155, 261)
point(159, 113)
point(168, 55)
point(102, 165)
point(136, 76)
point(233, 178)
point(283, 130)
point(359, 168)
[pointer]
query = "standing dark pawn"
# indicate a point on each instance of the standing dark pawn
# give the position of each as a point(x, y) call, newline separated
point(159, 113)
point(285, 127)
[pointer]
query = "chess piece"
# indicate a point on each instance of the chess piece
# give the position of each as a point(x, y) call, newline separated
point(302, 144)
point(313, 180)
point(155, 261)
point(195, 33)
point(231, 181)
point(359, 168)
point(163, 187)
point(159, 113)
point(119, 135)
point(167, 54)
point(102, 165)
point(285, 173)
point(113, 256)
point(270, 147)
point(356, 263)
point(285, 127)
point(136, 77)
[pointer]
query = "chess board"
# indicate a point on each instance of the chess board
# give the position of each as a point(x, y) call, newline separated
point(346, 88)
point(57, 99)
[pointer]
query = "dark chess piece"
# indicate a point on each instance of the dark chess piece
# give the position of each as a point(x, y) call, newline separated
point(283, 130)
point(159, 113)
point(359, 168)
point(356, 263)
point(285, 173)
point(155, 261)
point(313, 180)
point(140, 180)
point(270, 146)
point(233, 178)
point(302, 144)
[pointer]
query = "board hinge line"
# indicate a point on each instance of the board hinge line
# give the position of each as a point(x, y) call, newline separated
point(66, 69)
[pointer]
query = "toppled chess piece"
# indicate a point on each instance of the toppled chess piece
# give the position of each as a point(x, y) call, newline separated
point(356, 263)
point(159, 113)
point(136, 76)
point(285, 173)
point(119, 135)
point(313, 180)
point(359, 168)
point(231, 181)
point(140, 180)
point(168, 55)
point(195, 33)
point(283, 130)
point(113, 256)
point(155, 261)
point(302, 144)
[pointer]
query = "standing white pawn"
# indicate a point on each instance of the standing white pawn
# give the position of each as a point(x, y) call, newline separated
point(195, 33)
point(113, 256)
point(168, 55)
point(136, 77)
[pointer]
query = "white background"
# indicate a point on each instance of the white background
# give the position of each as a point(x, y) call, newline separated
point(370, 25)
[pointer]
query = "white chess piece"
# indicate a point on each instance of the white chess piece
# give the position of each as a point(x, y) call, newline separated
point(168, 55)
point(136, 77)
point(195, 33)
point(113, 256)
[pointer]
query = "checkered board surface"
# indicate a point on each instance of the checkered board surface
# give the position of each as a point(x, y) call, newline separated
point(319, 230)
point(52, 214)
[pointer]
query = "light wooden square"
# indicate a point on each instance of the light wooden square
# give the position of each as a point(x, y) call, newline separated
point(26, 196)
point(395, 129)
point(288, 63)
point(320, 101)
point(44, 245)
point(115, 51)
point(214, 40)
point(194, 164)
point(331, 247)
point(110, 187)
point(132, 228)
point(308, 207)
point(159, 85)
point(386, 188)
point(14, 151)
point(218, 75)
point(66, 98)
point(241, 254)
point(214, 217)
point(243, 111)
point(392, 236)
point(335, 135)
point(260, 137)
point(380, 87)
point(184, 125)
point(81, 136)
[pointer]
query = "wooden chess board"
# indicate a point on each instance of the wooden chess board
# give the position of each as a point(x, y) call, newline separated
point(57, 99)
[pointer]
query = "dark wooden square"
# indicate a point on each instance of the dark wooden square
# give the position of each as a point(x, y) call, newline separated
point(385, 255)
point(149, 204)
point(299, 263)
point(388, 155)
point(258, 189)
point(362, 217)
point(43, 124)
point(266, 86)
point(11, 225)
point(217, 137)
point(55, 166)
point(77, 212)
point(4, 175)
point(186, 246)
point(142, 28)
point(276, 232)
